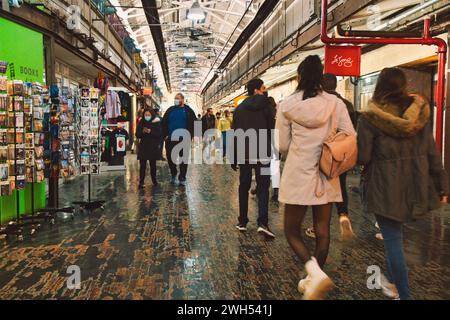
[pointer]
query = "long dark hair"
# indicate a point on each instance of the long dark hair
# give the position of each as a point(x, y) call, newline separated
point(391, 88)
point(310, 74)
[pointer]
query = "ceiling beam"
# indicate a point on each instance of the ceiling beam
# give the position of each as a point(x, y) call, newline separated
point(152, 16)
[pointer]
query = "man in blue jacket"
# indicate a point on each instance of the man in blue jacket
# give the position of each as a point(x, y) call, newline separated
point(179, 116)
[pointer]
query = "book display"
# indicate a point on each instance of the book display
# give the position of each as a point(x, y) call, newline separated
point(67, 132)
point(88, 130)
point(88, 141)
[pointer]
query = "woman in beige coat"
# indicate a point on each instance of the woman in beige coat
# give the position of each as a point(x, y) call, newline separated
point(304, 122)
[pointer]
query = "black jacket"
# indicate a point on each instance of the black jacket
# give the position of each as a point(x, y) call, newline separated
point(350, 108)
point(149, 146)
point(255, 112)
point(191, 118)
point(403, 174)
point(208, 122)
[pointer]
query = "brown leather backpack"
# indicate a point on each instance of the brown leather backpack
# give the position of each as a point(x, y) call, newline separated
point(339, 152)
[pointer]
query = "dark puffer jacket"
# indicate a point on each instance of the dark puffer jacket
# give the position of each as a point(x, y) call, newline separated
point(404, 175)
point(150, 143)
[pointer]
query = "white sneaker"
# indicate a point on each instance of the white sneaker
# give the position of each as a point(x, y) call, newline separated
point(266, 231)
point(389, 289)
point(346, 227)
point(319, 285)
point(303, 283)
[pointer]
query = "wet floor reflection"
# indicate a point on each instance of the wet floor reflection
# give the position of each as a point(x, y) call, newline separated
point(170, 242)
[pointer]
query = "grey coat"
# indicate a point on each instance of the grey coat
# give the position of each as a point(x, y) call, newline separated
point(404, 175)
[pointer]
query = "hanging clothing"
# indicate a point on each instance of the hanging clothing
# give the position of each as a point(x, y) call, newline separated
point(113, 105)
point(107, 149)
point(119, 142)
point(125, 101)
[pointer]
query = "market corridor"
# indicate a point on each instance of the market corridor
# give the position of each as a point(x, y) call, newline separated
point(180, 243)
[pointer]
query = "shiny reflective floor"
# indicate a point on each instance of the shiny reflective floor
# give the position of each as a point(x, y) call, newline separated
point(169, 242)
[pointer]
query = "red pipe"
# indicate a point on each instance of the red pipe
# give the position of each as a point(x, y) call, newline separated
point(426, 40)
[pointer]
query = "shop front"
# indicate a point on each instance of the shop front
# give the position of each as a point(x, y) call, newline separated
point(22, 59)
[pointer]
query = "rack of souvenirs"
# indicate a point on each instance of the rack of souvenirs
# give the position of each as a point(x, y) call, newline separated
point(21, 140)
point(88, 132)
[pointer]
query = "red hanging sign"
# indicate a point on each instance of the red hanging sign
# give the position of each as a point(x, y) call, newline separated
point(343, 60)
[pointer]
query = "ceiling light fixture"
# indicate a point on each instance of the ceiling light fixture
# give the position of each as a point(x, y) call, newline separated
point(196, 12)
point(190, 53)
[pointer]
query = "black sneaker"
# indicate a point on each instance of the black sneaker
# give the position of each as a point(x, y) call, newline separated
point(241, 227)
point(266, 231)
point(275, 195)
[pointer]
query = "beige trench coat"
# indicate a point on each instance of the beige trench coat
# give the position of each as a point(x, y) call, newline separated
point(302, 127)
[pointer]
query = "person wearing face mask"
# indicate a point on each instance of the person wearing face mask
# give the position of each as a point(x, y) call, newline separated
point(179, 116)
point(149, 131)
point(254, 114)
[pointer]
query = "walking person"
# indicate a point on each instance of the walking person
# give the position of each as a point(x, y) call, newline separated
point(149, 132)
point(329, 84)
point(251, 116)
point(304, 121)
point(404, 177)
point(208, 123)
point(224, 125)
point(179, 116)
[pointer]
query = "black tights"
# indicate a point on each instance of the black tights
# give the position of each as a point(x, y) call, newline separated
point(293, 219)
point(143, 168)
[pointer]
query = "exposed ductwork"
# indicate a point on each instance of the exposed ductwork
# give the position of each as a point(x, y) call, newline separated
point(264, 11)
point(151, 13)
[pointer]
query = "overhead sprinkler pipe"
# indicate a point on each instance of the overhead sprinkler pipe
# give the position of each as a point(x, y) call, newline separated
point(426, 39)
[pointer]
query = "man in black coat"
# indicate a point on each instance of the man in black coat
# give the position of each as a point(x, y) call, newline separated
point(208, 122)
point(179, 116)
point(254, 118)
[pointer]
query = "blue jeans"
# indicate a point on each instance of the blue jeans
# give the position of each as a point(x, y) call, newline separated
point(262, 191)
point(395, 258)
point(224, 143)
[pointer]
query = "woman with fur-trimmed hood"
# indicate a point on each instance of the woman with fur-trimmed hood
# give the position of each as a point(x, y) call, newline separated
point(404, 177)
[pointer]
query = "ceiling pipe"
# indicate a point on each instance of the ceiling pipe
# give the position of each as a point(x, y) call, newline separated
point(425, 40)
point(264, 11)
point(152, 16)
point(380, 34)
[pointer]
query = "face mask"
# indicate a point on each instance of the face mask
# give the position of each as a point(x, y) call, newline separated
point(147, 118)
point(177, 102)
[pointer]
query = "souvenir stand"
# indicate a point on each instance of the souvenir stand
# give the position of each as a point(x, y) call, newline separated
point(88, 142)
point(16, 162)
point(114, 136)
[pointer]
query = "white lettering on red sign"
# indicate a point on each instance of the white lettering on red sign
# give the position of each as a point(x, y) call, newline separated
point(342, 61)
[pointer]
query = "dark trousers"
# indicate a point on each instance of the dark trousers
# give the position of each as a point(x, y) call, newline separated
point(262, 191)
point(224, 143)
point(171, 161)
point(392, 232)
point(342, 207)
point(143, 168)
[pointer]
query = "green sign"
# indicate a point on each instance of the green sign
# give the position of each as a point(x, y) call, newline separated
point(23, 50)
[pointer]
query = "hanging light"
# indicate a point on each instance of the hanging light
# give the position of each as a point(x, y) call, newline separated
point(196, 12)
point(190, 53)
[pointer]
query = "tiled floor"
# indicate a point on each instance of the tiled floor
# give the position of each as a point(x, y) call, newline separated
point(180, 243)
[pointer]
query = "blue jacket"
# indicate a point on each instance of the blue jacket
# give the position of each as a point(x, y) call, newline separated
point(190, 120)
